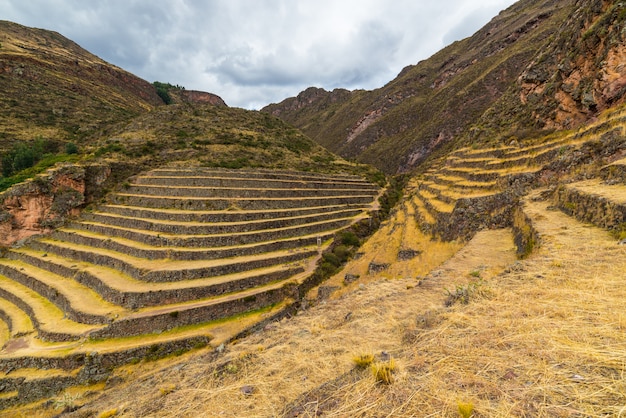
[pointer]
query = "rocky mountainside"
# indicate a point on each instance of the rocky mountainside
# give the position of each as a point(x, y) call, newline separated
point(53, 88)
point(538, 65)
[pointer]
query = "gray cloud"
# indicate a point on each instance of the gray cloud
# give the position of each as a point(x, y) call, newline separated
point(252, 53)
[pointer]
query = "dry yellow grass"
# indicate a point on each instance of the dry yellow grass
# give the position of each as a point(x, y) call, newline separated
point(545, 338)
point(614, 193)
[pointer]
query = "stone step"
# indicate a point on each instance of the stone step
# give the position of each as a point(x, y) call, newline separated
point(594, 201)
point(615, 172)
point(253, 183)
point(425, 219)
point(212, 240)
point(164, 270)
point(539, 149)
point(462, 183)
point(476, 162)
point(247, 193)
point(163, 318)
point(235, 204)
point(141, 250)
point(433, 204)
point(126, 291)
point(471, 174)
point(206, 228)
point(179, 215)
point(49, 321)
point(80, 303)
point(495, 152)
point(254, 174)
point(489, 175)
point(27, 385)
point(17, 320)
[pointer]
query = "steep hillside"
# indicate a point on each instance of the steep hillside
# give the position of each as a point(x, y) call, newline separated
point(577, 75)
point(537, 65)
point(213, 136)
point(53, 88)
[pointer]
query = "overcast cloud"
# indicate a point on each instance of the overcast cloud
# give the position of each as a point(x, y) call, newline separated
point(256, 52)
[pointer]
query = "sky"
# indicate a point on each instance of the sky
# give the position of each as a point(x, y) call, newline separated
point(255, 52)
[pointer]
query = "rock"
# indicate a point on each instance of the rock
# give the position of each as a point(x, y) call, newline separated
point(408, 254)
point(374, 268)
point(324, 292)
point(349, 278)
point(247, 390)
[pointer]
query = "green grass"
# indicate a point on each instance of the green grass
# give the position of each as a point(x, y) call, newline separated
point(41, 166)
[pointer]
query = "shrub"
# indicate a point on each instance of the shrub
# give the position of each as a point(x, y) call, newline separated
point(350, 239)
point(383, 372)
point(163, 90)
point(465, 409)
point(463, 293)
point(25, 155)
point(71, 148)
point(362, 361)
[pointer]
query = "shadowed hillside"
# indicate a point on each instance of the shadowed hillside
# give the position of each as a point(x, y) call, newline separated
point(537, 65)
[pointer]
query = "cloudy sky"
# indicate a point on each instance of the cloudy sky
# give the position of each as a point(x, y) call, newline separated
point(256, 52)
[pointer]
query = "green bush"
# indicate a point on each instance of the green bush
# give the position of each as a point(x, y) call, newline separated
point(71, 148)
point(350, 239)
point(25, 155)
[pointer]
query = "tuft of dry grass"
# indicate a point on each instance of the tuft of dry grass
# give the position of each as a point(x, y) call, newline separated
point(363, 360)
point(383, 372)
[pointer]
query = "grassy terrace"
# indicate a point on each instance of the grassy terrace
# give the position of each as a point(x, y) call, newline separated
point(123, 274)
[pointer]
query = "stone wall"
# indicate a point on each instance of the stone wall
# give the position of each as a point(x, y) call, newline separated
point(590, 208)
point(134, 325)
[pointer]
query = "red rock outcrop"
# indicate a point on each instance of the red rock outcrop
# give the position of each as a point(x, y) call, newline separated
point(38, 205)
point(199, 97)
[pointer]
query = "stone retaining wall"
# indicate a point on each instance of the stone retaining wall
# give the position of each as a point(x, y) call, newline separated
point(614, 173)
point(45, 335)
point(590, 208)
point(53, 295)
point(134, 300)
point(156, 202)
point(214, 228)
point(246, 193)
point(199, 253)
point(525, 236)
point(92, 368)
point(223, 240)
point(472, 214)
point(6, 318)
point(169, 319)
point(223, 216)
point(169, 275)
point(258, 174)
point(235, 183)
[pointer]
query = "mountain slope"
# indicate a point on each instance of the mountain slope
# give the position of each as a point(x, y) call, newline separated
point(494, 75)
point(53, 88)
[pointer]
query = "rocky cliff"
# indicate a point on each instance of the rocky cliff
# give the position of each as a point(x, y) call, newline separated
point(40, 204)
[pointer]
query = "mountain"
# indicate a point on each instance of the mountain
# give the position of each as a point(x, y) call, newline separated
point(53, 88)
point(538, 65)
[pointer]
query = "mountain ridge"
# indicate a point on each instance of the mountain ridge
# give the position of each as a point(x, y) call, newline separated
point(459, 92)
